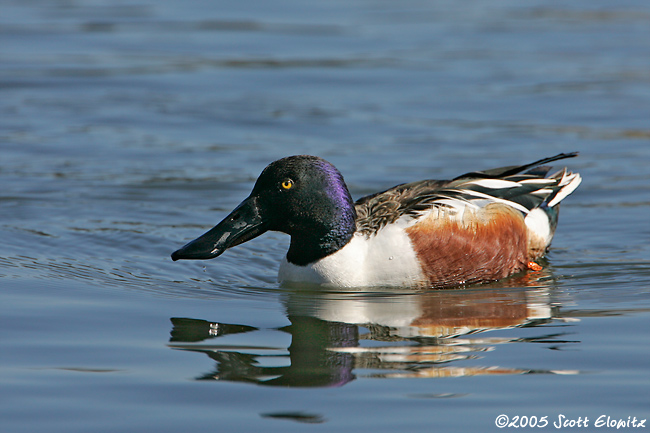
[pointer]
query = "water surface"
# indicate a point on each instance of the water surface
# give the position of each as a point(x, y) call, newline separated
point(126, 129)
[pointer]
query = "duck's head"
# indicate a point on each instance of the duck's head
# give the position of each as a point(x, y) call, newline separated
point(303, 196)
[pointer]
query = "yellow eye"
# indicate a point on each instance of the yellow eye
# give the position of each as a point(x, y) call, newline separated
point(287, 184)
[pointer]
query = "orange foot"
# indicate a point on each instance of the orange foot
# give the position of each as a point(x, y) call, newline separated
point(534, 266)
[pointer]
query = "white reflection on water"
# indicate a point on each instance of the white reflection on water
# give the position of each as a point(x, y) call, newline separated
point(337, 336)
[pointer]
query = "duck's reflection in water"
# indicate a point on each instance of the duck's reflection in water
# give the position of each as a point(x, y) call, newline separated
point(337, 336)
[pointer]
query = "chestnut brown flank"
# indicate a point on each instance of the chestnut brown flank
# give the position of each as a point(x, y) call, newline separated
point(484, 245)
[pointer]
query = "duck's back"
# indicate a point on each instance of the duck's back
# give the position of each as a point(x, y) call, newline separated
point(477, 227)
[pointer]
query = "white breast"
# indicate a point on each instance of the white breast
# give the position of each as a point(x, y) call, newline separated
point(385, 259)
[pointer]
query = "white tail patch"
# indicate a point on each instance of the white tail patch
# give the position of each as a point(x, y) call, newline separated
point(539, 225)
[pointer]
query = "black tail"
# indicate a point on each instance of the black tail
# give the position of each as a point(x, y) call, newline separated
point(497, 173)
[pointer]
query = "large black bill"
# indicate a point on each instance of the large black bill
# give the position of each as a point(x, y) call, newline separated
point(243, 224)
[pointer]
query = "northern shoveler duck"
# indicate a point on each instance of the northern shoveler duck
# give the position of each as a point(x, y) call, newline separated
point(481, 226)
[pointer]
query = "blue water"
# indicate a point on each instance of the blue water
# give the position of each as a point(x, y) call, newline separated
point(127, 129)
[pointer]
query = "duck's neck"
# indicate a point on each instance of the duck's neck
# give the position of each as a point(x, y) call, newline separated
point(323, 237)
